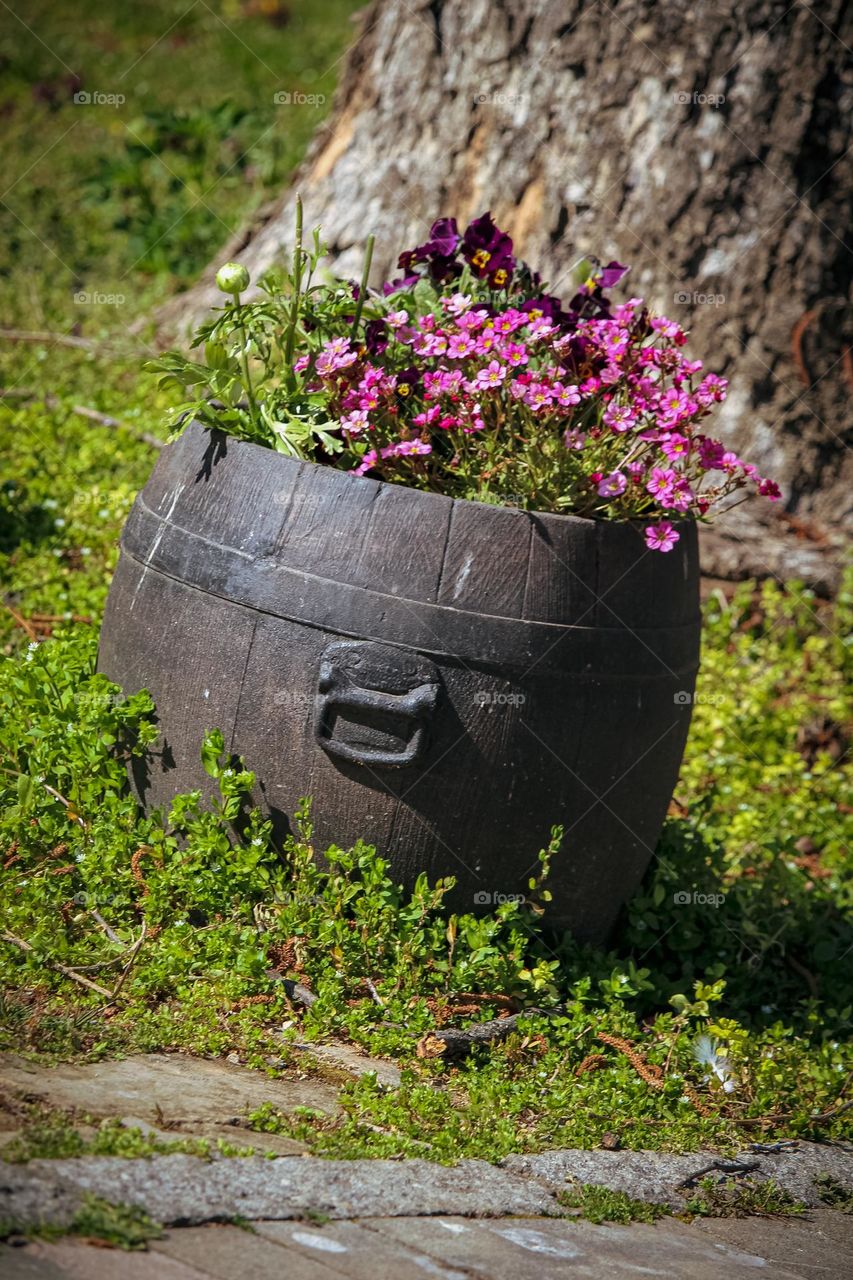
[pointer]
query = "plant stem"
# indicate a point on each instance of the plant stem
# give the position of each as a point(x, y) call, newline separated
point(362, 288)
point(244, 360)
point(296, 285)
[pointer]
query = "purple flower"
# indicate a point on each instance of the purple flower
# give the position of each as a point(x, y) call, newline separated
point(396, 286)
point(444, 237)
point(609, 276)
point(375, 337)
point(611, 486)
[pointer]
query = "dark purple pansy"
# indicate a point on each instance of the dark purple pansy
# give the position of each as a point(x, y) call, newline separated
point(376, 336)
point(486, 248)
point(610, 275)
point(402, 282)
point(409, 378)
point(444, 237)
point(547, 305)
point(443, 268)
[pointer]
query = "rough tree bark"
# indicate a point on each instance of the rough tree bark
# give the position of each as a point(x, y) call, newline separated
point(708, 146)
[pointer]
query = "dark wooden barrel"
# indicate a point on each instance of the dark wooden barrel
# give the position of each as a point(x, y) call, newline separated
point(446, 679)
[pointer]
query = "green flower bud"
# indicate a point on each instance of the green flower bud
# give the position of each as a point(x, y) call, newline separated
point(232, 278)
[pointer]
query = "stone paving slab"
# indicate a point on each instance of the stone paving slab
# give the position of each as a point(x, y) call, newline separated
point(818, 1249)
point(232, 1253)
point(657, 1176)
point(169, 1090)
point(358, 1252)
point(185, 1190)
point(444, 1248)
point(573, 1248)
point(76, 1260)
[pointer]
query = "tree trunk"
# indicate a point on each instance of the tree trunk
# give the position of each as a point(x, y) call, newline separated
point(708, 146)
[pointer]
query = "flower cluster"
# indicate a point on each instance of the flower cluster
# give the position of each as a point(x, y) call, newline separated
point(465, 376)
point(599, 415)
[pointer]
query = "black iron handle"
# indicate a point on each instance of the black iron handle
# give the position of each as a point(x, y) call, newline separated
point(377, 682)
point(414, 707)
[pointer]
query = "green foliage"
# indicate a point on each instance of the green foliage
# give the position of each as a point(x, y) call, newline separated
point(731, 1198)
point(600, 1204)
point(49, 1134)
point(832, 1193)
point(118, 1226)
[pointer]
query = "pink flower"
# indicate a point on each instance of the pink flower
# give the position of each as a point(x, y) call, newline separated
point(460, 346)
point(510, 320)
point(335, 355)
point(711, 388)
point(769, 489)
point(404, 447)
point(710, 454)
point(661, 536)
point(356, 422)
point(614, 341)
point(472, 319)
point(619, 417)
point(369, 459)
point(515, 353)
point(486, 341)
point(669, 329)
point(573, 438)
point(397, 319)
point(427, 418)
point(492, 376)
point(660, 482)
point(457, 303)
point(611, 486)
point(539, 395)
point(674, 445)
point(565, 396)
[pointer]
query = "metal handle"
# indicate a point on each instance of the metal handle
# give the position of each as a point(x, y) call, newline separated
point(381, 683)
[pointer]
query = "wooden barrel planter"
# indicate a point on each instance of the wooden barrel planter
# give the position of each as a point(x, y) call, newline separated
point(446, 679)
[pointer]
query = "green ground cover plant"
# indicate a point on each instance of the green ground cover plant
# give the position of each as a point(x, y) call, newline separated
point(110, 1225)
point(721, 1014)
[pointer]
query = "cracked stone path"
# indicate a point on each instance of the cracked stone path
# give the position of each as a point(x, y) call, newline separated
point(303, 1217)
point(450, 1247)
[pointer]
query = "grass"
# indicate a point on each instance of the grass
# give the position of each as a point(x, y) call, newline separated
point(740, 932)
